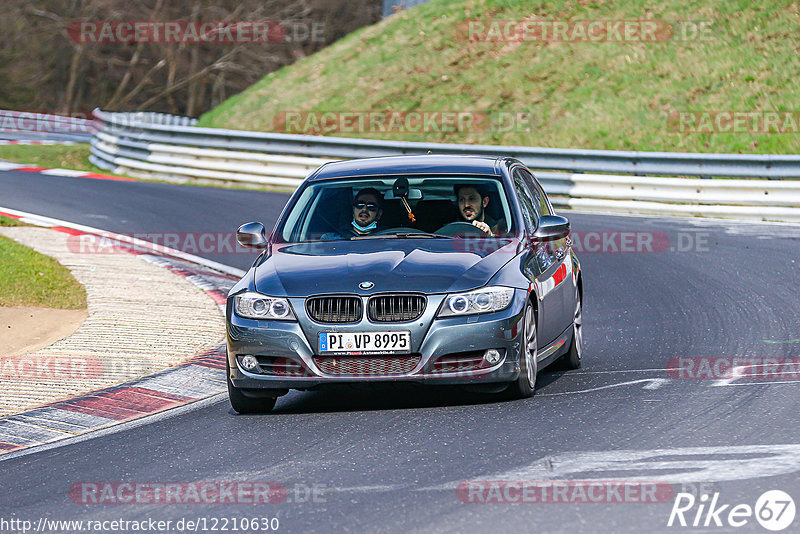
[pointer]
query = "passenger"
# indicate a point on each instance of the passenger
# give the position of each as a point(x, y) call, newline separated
point(367, 212)
point(472, 201)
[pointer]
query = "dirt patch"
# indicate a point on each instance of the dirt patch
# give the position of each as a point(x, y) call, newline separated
point(25, 329)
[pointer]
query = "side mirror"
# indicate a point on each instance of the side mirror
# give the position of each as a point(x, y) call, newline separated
point(551, 227)
point(252, 234)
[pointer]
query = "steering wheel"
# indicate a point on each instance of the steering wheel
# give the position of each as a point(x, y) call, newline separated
point(460, 229)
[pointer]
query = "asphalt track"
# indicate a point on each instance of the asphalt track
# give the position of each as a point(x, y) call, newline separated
point(391, 460)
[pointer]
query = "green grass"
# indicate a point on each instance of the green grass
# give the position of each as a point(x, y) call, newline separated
point(8, 221)
point(75, 157)
point(28, 278)
point(608, 95)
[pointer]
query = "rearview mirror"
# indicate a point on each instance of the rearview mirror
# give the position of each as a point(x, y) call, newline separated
point(551, 227)
point(252, 234)
point(413, 194)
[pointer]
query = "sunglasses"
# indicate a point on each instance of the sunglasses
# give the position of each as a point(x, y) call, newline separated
point(371, 206)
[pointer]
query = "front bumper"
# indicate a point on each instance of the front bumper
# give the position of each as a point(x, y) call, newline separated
point(434, 341)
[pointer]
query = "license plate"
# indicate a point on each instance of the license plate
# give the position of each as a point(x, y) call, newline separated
point(365, 342)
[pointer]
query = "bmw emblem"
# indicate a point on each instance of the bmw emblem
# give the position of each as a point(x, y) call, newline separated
point(366, 285)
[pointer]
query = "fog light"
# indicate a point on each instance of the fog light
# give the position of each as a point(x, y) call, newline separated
point(249, 363)
point(492, 356)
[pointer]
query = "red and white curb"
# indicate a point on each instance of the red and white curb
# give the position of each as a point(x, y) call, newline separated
point(198, 378)
point(20, 167)
point(33, 142)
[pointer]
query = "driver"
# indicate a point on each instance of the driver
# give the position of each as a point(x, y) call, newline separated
point(472, 200)
point(367, 212)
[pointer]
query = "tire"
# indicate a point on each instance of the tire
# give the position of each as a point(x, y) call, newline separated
point(243, 404)
point(572, 359)
point(524, 386)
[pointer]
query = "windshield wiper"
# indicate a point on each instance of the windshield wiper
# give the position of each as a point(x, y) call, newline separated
point(414, 235)
point(367, 236)
point(403, 235)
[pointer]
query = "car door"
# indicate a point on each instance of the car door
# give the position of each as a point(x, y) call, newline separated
point(559, 252)
point(539, 265)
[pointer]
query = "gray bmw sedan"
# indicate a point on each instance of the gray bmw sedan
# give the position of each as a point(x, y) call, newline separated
point(429, 269)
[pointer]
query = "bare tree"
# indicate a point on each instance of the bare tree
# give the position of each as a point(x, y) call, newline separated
point(46, 65)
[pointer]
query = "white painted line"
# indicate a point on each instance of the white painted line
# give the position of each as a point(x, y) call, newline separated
point(665, 369)
point(64, 172)
point(735, 374)
point(44, 221)
point(764, 383)
point(368, 489)
point(679, 465)
point(652, 383)
point(35, 222)
point(656, 383)
point(8, 166)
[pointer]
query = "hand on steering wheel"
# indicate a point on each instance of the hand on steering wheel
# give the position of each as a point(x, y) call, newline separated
point(460, 229)
point(483, 226)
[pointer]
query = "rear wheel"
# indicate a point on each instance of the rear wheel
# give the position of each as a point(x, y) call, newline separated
point(572, 359)
point(244, 404)
point(525, 385)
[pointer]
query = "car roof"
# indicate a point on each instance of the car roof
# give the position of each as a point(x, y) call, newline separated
point(426, 164)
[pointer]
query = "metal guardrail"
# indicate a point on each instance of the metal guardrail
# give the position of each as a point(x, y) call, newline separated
point(599, 161)
point(166, 146)
point(32, 126)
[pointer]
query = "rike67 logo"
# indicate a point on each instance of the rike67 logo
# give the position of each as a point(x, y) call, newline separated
point(774, 510)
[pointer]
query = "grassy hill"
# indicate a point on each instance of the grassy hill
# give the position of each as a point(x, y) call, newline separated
point(619, 95)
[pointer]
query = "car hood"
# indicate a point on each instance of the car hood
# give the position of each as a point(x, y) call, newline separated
point(425, 265)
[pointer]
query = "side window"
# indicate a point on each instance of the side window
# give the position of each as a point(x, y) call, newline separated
point(538, 193)
point(530, 209)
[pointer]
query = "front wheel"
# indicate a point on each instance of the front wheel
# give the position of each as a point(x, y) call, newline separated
point(525, 385)
point(572, 359)
point(243, 404)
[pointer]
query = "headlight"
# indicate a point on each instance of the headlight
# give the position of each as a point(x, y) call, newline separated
point(484, 300)
point(258, 306)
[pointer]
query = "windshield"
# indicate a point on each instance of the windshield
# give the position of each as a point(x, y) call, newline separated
point(423, 207)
